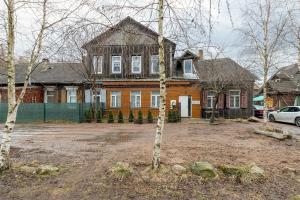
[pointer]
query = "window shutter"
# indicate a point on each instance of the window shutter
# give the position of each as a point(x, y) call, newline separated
point(205, 93)
point(221, 101)
point(244, 98)
point(228, 100)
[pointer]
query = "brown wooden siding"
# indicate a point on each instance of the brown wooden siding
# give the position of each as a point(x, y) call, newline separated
point(174, 90)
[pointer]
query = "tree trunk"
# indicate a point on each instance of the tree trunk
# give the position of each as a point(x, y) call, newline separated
point(11, 90)
point(299, 55)
point(94, 103)
point(265, 89)
point(162, 106)
point(212, 117)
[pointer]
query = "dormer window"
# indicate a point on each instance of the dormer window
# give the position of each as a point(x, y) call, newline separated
point(188, 66)
point(116, 64)
point(97, 64)
point(136, 64)
point(154, 64)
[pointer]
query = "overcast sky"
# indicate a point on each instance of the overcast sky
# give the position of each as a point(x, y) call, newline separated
point(224, 33)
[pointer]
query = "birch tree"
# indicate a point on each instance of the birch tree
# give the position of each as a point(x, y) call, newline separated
point(45, 23)
point(162, 83)
point(264, 28)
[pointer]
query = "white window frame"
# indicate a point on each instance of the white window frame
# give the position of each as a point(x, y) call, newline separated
point(132, 64)
point(211, 97)
point(234, 99)
point(114, 104)
point(71, 89)
point(157, 99)
point(97, 64)
point(113, 62)
point(136, 99)
point(48, 89)
point(152, 64)
point(184, 64)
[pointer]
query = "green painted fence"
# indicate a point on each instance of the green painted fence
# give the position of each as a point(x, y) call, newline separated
point(48, 112)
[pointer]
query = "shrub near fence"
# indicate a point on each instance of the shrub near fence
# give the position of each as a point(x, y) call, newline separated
point(48, 112)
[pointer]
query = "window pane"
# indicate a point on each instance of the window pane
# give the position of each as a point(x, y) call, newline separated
point(153, 101)
point(231, 101)
point(99, 66)
point(136, 64)
point(154, 64)
point(95, 63)
point(188, 66)
point(234, 92)
point(237, 102)
point(116, 64)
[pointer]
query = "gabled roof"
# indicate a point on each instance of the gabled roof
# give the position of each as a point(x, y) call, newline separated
point(128, 20)
point(289, 78)
point(224, 69)
point(52, 73)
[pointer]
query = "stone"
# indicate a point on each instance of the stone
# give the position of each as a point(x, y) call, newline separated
point(296, 197)
point(27, 169)
point(244, 174)
point(257, 171)
point(178, 169)
point(204, 169)
point(121, 170)
point(298, 179)
point(46, 170)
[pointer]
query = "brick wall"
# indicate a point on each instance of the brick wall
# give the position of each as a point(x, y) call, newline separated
point(33, 95)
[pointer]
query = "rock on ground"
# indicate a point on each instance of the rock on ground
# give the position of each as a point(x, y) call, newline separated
point(178, 169)
point(46, 169)
point(204, 169)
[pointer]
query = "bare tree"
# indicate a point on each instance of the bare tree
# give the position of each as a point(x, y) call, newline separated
point(13, 102)
point(264, 28)
point(293, 29)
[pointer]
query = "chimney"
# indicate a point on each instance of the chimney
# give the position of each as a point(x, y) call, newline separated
point(45, 64)
point(200, 54)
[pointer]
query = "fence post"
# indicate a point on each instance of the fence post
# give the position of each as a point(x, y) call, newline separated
point(44, 112)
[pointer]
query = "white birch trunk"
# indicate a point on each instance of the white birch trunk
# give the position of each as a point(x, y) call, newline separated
point(13, 104)
point(265, 90)
point(11, 95)
point(162, 107)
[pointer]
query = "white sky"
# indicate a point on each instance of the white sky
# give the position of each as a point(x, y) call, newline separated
point(224, 33)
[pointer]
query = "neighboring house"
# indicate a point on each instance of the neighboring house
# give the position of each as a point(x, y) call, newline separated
point(124, 62)
point(284, 87)
point(234, 83)
point(49, 83)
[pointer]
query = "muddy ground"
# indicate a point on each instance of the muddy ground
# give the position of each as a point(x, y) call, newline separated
point(86, 152)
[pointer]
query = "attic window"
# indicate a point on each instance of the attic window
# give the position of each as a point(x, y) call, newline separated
point(188, 66)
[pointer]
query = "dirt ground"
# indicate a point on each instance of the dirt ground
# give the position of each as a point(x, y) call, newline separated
point(86, 152)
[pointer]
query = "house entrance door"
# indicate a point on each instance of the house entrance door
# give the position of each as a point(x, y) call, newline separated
point(185, 106)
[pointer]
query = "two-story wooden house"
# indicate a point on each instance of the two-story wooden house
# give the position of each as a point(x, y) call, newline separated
point(125, 61)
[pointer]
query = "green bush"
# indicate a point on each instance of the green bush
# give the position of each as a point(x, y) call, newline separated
point(110, 117)
point(150, 117)
point(173, 116)
point(131, 117)
point(170, 116)
point(99, 116)
point(140, 118)
point(120, 117)
point(88, 115)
